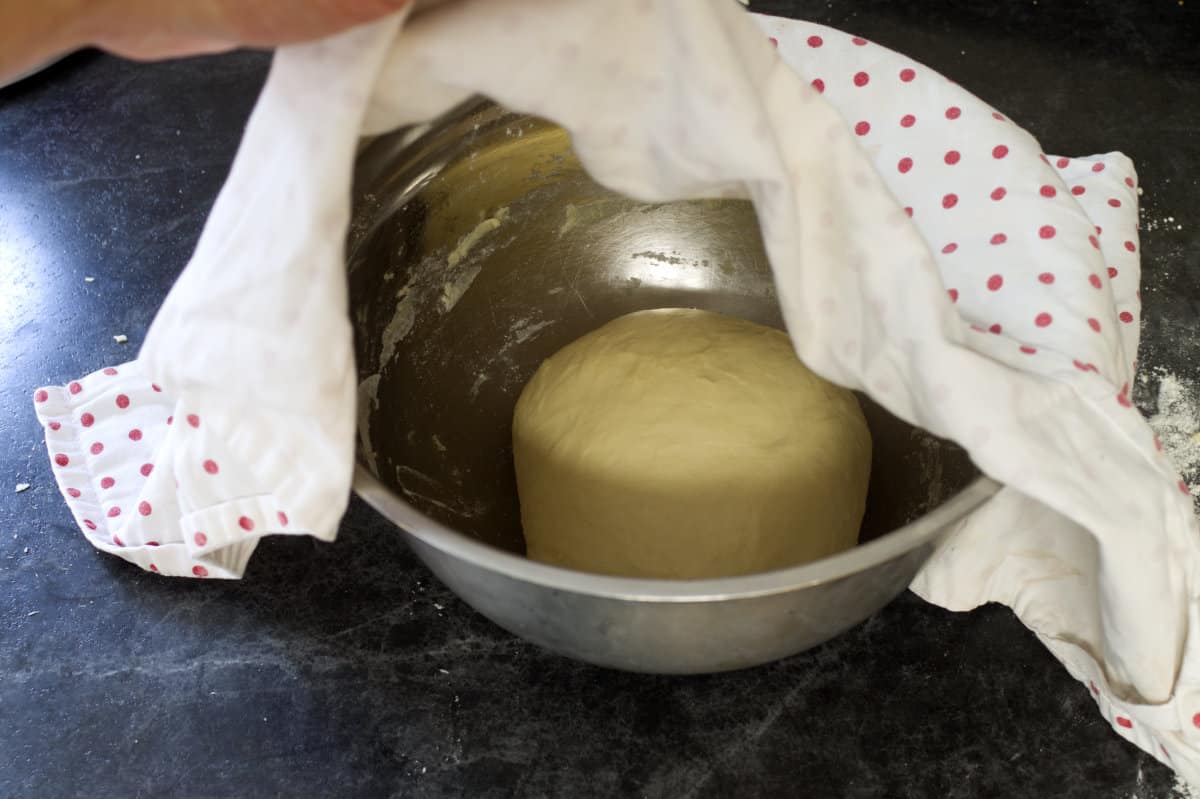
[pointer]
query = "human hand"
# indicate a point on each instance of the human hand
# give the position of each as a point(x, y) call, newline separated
point(33, 32)
point(149, 29)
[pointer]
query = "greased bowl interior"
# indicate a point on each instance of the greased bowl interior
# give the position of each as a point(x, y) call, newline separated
point(478, 248)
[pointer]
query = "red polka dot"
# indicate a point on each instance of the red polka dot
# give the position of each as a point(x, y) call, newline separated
point(87, 420)
point(999, 238)
point(151, 543)
point(953, 294)
point(1114, 202)
point(107, 482)
point(146, 469)
point(193, 420)
point(170, 420)
point(54, 426)
point(859, 41)
point(1094, 689)
point(774, 42)
point(1112, 272)
point(862, 128)
point(122, 401)
point(1048, 191)
point(1092, 240)
point(1028, 350)
point(61, 460)
point(1129, 182)
point(818, 84)
point(1097, 167)
point(1080, 365)
point(73, 493)
point(1047, 231)
point(952, 157)
point(40, 395)
point(1158, 446)
point(1129, 245)
point(144, 508)
point(117, 540)
point(999, 193)
point(1183, 488)
point(74, 388)
point(1062, 163)
point(908, 211)
point(949, 200)
point(89, 524)
point(110, 371)
point(999, 151)
point(995, 282)
point(135, 435)
point(904, 165)
point(200, 538)
point(1123, 400)
point(199, 571)
point(1046, 277)
point(861, 79)
point(283, 518)
point(1077, 190)
point(153, 568)
point(907, 75)
point(1121, 720)
point(995, 329)
point(998, 116)
point(815, 41)
point(1094, 323)
point(97, 448)
point(211, 467)
point(1125, 316)
point(156, 387)
point(1043, 319)
point(949, 248)
point(246, 523)
point(953, 112)
point(114, 512)
point(907, 121)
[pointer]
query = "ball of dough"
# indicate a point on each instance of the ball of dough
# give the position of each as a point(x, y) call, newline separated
point(679, 443)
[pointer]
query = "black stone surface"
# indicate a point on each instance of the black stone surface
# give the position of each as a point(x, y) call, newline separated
point(345, 669)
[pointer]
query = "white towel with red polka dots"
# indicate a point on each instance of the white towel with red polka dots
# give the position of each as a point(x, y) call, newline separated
point(925, 251)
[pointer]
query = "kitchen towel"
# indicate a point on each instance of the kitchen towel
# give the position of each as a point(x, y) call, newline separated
point(924, 249)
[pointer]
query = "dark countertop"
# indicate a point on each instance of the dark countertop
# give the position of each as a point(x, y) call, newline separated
point(346, 669)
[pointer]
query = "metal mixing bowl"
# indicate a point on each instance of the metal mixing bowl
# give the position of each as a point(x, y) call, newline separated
point(478, 248)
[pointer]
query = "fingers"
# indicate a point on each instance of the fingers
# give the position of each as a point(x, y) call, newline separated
point(151, 29)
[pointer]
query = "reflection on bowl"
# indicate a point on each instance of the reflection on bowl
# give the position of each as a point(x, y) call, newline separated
point(478, 248)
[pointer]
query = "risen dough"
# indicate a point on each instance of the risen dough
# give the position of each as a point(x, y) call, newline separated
point(681, 443)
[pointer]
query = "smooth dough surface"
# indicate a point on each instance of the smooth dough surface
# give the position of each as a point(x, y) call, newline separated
point(679, 443)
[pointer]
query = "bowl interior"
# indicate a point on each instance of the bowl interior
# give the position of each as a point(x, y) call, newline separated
point(478, 248)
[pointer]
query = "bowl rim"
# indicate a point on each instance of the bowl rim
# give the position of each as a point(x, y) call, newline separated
point(886, 547)
point(450, 542)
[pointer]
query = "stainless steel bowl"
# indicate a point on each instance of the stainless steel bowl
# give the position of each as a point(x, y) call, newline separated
point(478, 248)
